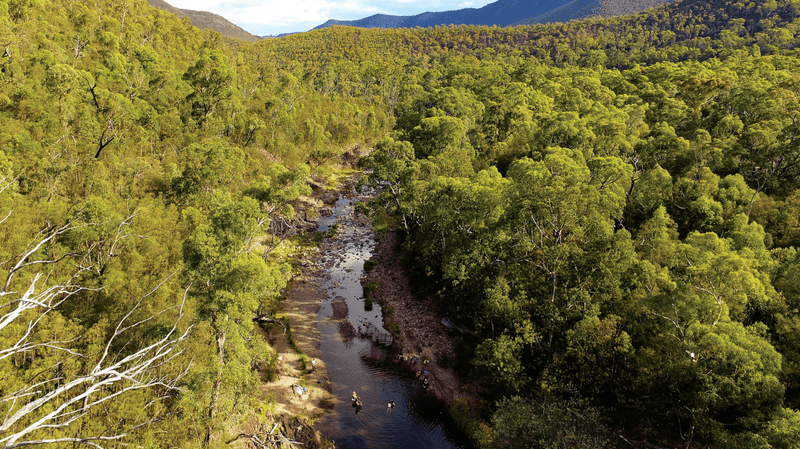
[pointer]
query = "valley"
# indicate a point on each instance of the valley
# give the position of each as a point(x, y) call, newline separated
point(572, 234)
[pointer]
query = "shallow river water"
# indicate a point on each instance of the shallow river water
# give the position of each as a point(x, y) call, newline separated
point(352, 342)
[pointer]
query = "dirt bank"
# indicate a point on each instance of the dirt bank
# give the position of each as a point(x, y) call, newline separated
point(421, 340)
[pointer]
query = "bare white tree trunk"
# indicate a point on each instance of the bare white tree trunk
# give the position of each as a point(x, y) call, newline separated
point(75, 398)
point(39, 407)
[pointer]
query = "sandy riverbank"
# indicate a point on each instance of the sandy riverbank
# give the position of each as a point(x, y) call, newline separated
point(296, 414)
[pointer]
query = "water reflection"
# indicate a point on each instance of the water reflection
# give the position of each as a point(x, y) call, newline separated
point(357, 364)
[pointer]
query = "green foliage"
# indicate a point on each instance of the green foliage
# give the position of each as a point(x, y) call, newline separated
point(500, 365)
point(480, 433)
point(370, 289)
point(211, 79)
point(550, 424)
point(608, 207)
point(279, 187)
point(783, 431)
point(617, 217)
point(290, 337)
point(208, 167)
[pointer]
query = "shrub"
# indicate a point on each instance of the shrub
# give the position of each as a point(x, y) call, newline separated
point(547, 424)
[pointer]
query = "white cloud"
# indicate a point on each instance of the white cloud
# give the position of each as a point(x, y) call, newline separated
point(264, 17)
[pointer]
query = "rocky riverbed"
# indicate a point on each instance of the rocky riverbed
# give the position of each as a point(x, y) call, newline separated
point(323, 292)
point(421, 342)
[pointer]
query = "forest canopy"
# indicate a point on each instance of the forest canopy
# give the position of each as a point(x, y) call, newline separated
point(608, 208)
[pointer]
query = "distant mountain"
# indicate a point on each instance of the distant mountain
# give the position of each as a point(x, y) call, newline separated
point(580, 9)
point(205, 20)
point(506, 13)
point(501, 13)
point(575, 9)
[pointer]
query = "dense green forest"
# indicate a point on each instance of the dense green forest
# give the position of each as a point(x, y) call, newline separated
point(142, 162)
point(609, 208)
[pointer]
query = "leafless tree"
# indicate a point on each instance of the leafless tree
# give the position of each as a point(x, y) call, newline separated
point(38, 410)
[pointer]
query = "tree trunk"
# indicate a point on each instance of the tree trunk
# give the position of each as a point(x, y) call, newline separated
point(263, 319)
point(214, 405)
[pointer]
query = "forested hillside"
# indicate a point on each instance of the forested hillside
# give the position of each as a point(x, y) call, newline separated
point(613, 220)
point(607, 208)
point(142, 163)
point(207, 20)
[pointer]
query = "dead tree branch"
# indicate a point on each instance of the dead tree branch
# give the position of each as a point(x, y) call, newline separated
point(264, 320)
point(35, 409)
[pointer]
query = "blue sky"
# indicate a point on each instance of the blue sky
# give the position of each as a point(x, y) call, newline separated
point(263, 17)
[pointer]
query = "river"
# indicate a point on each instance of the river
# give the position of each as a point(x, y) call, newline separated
point(353, 343)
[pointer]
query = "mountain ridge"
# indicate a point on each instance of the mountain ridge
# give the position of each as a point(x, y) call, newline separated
point(207, 20)
point(501, 13)
point(505, 13)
